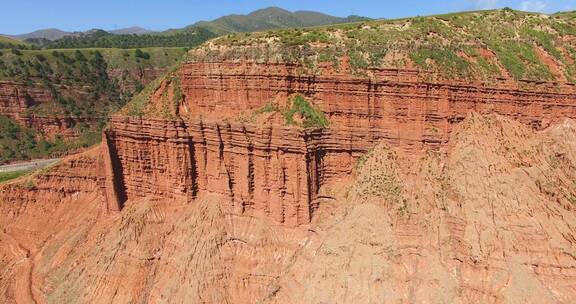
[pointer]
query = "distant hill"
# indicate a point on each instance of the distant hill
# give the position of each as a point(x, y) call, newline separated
point(56, 34)
point(270, 18)
point(48, 34)
point(192, 35)
point(135, 30)
point(8, 40)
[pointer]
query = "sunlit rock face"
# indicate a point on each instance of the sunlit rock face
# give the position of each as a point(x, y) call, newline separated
point(417, 191)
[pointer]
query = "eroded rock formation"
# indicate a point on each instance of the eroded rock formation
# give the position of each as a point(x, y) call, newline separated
point(15, 98)
point(277, 170)
point(440, 192)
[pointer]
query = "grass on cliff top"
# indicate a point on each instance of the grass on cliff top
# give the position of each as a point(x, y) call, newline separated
point(115, 58)
point(472, 45)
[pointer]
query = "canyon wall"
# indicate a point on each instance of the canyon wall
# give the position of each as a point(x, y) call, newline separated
point(16, 98)
point(273, 172)
point(276, 171)
point(80, 175)
point(219, 210)
point(399, 106)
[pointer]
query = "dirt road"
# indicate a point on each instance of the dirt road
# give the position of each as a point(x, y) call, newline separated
point(30, 165)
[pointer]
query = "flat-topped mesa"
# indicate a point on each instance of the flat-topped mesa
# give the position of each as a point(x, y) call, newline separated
point(276, 171)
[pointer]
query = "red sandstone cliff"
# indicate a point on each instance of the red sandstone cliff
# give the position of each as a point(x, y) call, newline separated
point(486, 219)
point(449, 207)
point(421, 190)
point(276, 170)
point(16, 99)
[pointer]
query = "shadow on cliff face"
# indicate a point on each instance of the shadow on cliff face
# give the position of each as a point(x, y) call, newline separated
point(490, 218)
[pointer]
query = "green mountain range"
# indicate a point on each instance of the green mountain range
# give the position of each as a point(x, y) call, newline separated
point(270, 18)
point(189, 36)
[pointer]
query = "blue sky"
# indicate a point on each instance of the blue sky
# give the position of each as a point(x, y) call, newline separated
point(20, 16)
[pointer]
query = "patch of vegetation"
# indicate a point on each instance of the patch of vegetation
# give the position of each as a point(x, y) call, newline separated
point(311, 117)
point(521, 60)
point(472, 45)
point(62, 64)
point(103, 39)
point(19, 143)
point(269, 107)
point(137, 107)
point(543, 39)
point(177, 94)
point(6, 176)
point(448, 60)
point(139, 54)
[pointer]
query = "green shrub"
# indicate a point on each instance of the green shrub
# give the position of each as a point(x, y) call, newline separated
point(79, 56)
point(16, 52)
point(139, 54)
point(447, 60)
point(312, 118)
point(269, 107)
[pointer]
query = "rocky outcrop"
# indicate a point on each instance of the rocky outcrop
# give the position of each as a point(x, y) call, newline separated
point(451, 205)
point(387, 101)
point(276, 171)
point(273, 172)
point(16, 97)
point(488, 218)
point(78, 175)
point(52, 126)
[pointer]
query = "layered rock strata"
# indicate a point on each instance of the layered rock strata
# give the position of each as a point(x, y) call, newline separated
point(488, 219)
point(15, 98)
point(275, 170)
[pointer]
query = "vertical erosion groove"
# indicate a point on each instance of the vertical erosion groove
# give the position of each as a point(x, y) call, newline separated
point(115, 186)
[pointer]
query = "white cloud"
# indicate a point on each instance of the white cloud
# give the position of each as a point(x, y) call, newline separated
point(534, 5)
point(486, 4)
